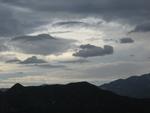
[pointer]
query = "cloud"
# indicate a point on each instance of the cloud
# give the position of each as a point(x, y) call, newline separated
point(16, 60)
point(30, 60)
point(92, 51)
point(110, 40)
point(27, 15)
point(70, 23)
point(75, 61)
point(47, 66)
point(42, 44)
point(141, 28)
point(39, 37)
point(7, 21)
point(126, 40)
point(134, 10)
point(7, 57)
point(3, 45)
point(20, 18)
point(3, 48)
point(33, 60)
point(60, 32)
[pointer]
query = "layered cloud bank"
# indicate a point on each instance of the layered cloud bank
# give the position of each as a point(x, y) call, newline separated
point(26, 15)
point(91, 51)
point(70, 40)
point(41, 44)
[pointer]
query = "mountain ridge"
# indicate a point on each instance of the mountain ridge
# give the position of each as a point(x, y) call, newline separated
point(80, 97)
point(134, 86)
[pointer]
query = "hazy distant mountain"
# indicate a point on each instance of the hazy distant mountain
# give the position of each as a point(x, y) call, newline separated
point(135, 86)
point(79, 97)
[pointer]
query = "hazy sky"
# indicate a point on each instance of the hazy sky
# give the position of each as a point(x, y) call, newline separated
point(59, 41)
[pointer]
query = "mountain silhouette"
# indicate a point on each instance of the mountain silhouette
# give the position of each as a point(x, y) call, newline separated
point(135, 86)
point(81, 97)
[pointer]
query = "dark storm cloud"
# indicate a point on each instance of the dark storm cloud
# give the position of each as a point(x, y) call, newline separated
point(17, 21)
point(42, 44)
point(33, 60)
point(92, 51)
point(18, 17)
point(7, 22)
point(83, 5)
point(134, 10)
point(126, 40)
point(145, 27)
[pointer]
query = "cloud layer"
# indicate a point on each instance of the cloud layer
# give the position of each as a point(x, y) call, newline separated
point(144, 27)
point(126, 40)
point(69, 24)
point(92, 22)
point(27, 15)
point(92, 51)
point(42, 44)
point(106, 8)
point(33, 60)
point(18, 20)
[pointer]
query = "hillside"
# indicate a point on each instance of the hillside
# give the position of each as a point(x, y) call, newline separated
point(135, 86)
point(79, 97)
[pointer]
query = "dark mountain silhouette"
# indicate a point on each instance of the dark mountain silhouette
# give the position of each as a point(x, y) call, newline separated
point(79, 97)
point(135, 86)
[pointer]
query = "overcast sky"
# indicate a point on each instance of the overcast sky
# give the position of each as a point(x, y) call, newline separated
point(61, 41)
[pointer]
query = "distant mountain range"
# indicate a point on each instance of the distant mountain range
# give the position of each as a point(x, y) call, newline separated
point(81, 97)
point(135, 86)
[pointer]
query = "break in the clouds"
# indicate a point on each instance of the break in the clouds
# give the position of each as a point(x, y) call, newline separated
point(126, 40)
point(92, 51)
point(42, 44)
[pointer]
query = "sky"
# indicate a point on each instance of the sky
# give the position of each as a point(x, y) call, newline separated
point(61, 41)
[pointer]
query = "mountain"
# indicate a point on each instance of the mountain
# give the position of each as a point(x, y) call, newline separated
point(81, 97)
point(135, 86)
